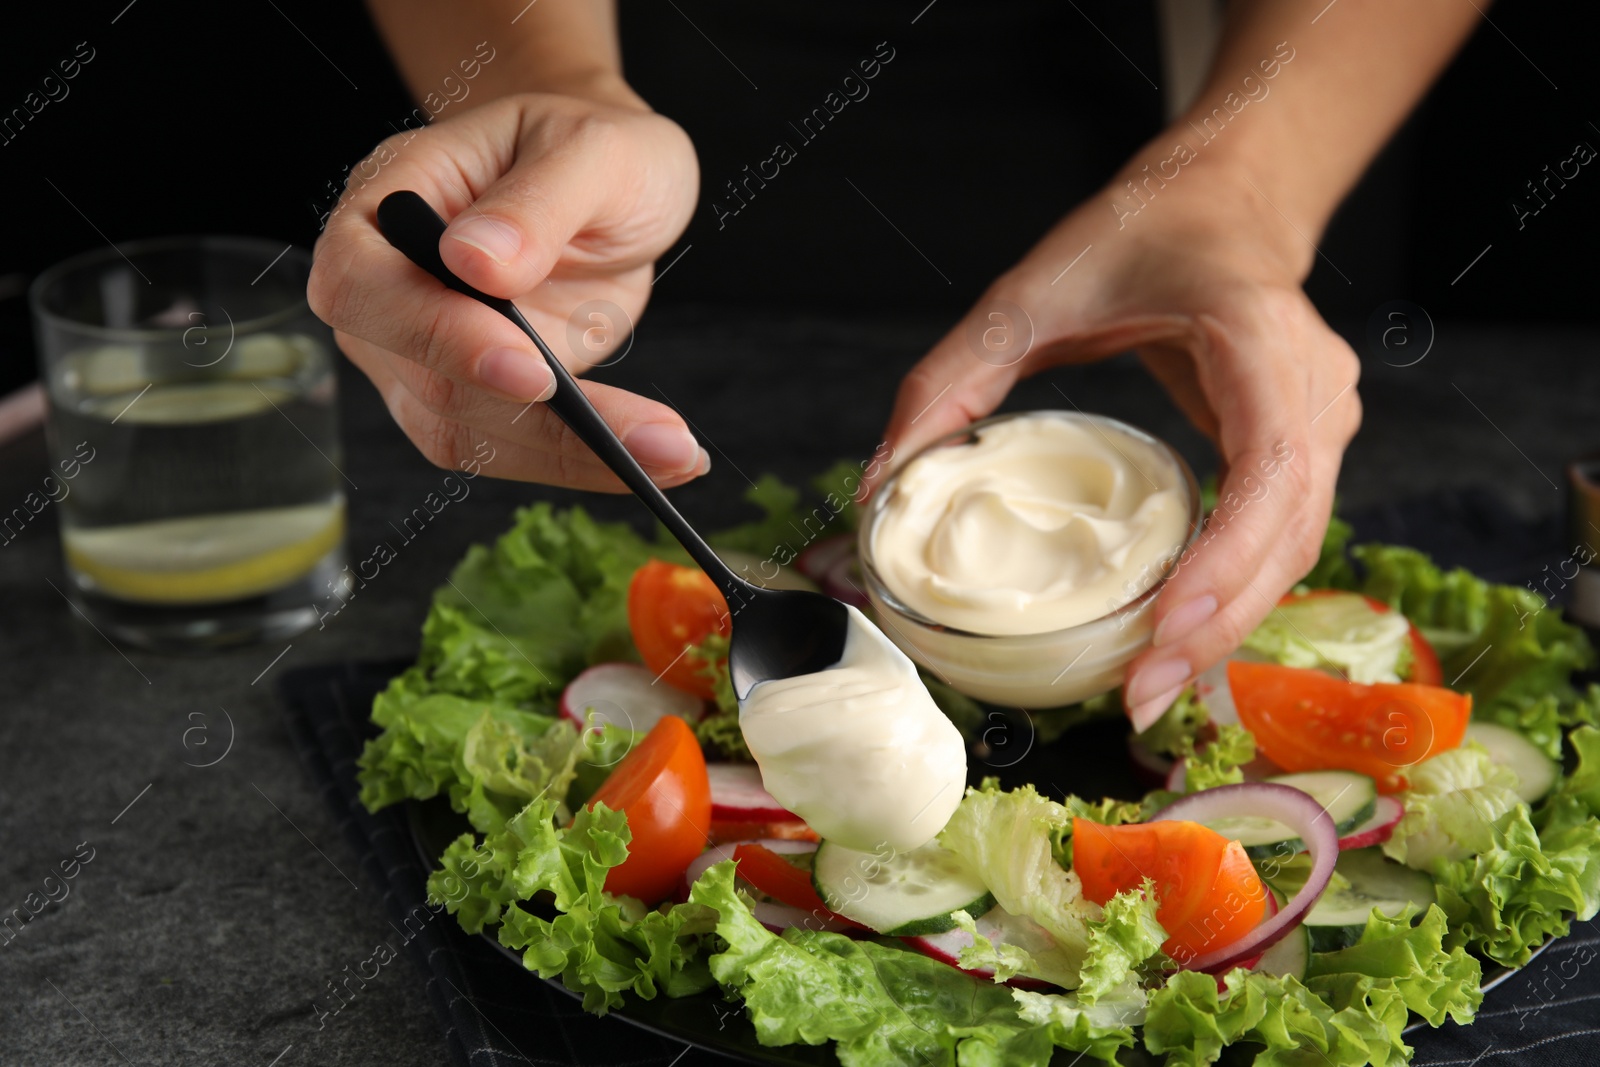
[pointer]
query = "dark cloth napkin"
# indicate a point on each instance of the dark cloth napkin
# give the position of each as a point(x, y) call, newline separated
point(495, 1014)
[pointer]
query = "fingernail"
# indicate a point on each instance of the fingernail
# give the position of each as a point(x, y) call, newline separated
point(495, 239)
point(704, 465)
point(1156, 678)
point(1185, 620)
point(517, 373)
point(1147, 714)
point(665, 449)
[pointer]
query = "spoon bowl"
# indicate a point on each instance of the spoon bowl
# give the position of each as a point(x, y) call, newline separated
point(777, 633)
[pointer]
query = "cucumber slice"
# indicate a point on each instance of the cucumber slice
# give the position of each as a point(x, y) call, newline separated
point(1290, 957)
point(1374, 881)
point(1349, 798)
point(1536, 772)
point(903, 894)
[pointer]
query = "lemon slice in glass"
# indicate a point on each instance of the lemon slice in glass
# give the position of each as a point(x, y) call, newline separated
point(206, 559)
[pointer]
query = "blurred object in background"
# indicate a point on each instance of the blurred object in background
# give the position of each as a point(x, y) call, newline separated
point(193, 440)
point(1583, 528)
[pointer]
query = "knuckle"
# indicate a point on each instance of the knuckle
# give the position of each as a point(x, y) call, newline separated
point(441, 441)
point(329, 292)
point(435, 392)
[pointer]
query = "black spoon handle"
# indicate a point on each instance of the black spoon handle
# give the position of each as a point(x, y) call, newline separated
point(408, 223)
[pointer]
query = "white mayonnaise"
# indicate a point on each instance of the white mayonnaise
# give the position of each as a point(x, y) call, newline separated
point(860, 751)
point(1043, 523)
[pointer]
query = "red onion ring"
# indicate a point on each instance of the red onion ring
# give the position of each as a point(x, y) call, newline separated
point(1297, 810)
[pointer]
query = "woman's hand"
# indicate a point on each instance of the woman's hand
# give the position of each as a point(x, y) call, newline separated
point(553, 202)
point(1203, 282)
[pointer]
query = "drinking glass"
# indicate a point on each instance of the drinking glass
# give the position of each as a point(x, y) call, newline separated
point(193, 434)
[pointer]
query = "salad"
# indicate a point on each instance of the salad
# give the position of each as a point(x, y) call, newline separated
point(1392, 784)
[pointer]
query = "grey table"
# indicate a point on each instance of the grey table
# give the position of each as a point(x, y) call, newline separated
point(219, 900)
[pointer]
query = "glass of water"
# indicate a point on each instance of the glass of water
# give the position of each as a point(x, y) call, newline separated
point(193, 423)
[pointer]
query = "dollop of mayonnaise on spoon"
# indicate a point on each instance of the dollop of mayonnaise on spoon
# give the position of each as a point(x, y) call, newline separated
point(860, 751)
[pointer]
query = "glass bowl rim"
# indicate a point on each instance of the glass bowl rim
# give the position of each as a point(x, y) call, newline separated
point(877, 588)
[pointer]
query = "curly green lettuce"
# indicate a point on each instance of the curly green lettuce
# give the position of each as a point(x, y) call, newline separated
point(1500, 643)
point(1508, 898)
point(1538, 868)
point(1451, 806)
point(599, 945)
point(1341, 633)
point(1009, 838)
point(1219, 762)
point(1350, 1009)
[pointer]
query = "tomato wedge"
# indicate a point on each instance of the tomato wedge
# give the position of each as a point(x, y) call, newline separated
point(1425, 669)
point(1208, 894)
point(782, 881)
point(1305, 720)
point(671, 608)
point(661, 786)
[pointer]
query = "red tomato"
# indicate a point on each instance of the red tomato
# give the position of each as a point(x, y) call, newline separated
point(1305, 720)
point(781, 880)
point(671, 608)
point(1425, 669)
point(1208, 894)
point(662, 788)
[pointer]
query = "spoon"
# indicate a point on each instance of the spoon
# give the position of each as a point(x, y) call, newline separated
point(777, 633)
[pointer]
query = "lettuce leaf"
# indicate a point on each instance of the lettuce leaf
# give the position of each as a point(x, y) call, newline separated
point(883, 1005)
point(1350, 1010)
point(1501, 643)
point(718, 729)
point(1432, 981)
point(1008, 838)
point(1451, 808)
point(515, 623)
point(1120, 944)
point(600, 945)
point(1179, 724)
point(1507, 899)
point(1342, 633)
point(1219, 762)
point(1191, 1021)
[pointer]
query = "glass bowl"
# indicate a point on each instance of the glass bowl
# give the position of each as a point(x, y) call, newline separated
point(1031, 670)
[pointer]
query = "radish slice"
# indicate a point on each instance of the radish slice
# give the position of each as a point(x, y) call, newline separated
point(1152, 768)
point(779, 917)
point(818, 557)
point(1177, 777)
point(1377, 829)
point(626, 695)
point(1297, 810)
point(737, 795)
point(843, 582)
point(1001, 928)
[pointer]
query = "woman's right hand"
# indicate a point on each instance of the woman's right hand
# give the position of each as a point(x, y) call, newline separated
point(553, 202)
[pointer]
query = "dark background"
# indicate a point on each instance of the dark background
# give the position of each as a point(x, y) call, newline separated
point(989, 123)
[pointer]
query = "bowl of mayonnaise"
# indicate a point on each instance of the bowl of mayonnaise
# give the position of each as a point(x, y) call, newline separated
point(1018, 559)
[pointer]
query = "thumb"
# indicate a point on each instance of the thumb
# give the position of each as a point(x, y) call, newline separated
point(508, 240)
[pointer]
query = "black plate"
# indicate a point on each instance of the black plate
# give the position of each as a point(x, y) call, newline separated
point(1088, 760)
